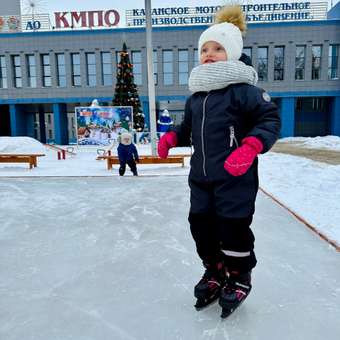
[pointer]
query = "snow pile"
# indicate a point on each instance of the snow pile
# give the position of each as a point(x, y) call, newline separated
point(327, 142)
point(21, 145)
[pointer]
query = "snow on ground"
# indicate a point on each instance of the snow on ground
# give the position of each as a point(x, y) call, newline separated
point(328, 142)
point(310, 189)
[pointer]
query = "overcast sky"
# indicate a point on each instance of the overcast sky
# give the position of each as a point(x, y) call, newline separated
point(51, 6)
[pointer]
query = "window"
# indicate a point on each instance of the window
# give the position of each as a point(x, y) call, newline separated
point(75, 63)
point(155, 67)
point(300, 59)
point(17, 75)
point(3, 73)
point(279, 61)
point(31, 71)
point(46, 70)
point(311, 104)
point(61, 70)
point(316, 62)
point(168, 76)
point(196, 58)
point(136, 57)
point(248, 52)
point(262, 63)
point(183, 67)
point(106, 68)
point(91, 69)
point(333, 59)
point(118, 57)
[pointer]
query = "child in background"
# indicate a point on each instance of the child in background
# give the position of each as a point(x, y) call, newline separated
point(229, 121)
point(127, 154)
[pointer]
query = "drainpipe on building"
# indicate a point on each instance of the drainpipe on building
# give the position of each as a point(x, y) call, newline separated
point(151, 84)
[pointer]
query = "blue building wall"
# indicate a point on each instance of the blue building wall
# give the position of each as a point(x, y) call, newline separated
point(287, 34)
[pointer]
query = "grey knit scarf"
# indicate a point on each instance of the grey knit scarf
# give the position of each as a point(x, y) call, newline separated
point(214, 76)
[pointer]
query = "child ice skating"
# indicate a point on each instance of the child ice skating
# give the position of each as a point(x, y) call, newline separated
point(127, 154)
point(229, 121)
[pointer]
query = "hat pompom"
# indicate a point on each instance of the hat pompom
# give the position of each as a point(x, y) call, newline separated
point(233, 15)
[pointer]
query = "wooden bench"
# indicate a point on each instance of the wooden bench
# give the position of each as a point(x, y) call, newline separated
point(21, 158)
point(144, 160)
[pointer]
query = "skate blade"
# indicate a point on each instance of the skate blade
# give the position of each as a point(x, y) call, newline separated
point(202, 304)
point(226, 312)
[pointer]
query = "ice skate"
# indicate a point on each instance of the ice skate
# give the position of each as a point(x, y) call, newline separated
point(235, 291)
point(208, 289)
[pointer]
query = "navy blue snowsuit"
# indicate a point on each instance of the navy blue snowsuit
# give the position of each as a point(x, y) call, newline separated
point(127, 154)
point(222, 205)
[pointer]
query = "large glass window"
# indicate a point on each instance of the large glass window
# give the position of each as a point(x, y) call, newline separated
point(106, 68)
point(91, 69)
point(183, 67)
point(75, 63)
point(168, 75)
point(279, 62)
point(262, 63)
point(316, 61)
point(300, 61)
point(17, 73)
point(31, 70)
point(333, 59)
point(61, 70)
point(46, 70)
point(196, 57)
point(136, 57)
point(248, 52)
point(3, 73)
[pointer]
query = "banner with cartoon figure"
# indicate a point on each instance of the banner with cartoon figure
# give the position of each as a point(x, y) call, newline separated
point(101, 125)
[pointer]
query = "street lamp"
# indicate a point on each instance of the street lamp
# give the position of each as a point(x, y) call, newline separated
point(151, 84)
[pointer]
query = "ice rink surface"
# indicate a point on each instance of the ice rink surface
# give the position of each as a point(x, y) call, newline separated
point(113, 259)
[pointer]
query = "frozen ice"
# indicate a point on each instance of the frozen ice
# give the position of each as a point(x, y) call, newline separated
point(112, 258)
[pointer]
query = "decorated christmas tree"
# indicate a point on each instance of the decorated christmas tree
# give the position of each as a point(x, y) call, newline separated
point(126, 93)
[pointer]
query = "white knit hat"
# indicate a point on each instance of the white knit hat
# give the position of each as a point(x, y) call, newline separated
point(126, 138)
point(227, 35)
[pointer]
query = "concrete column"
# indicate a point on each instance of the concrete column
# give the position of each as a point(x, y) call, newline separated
point(60, 123)
point(287, 117)
point(335, 116)
point(18, 120)
point(42, 123)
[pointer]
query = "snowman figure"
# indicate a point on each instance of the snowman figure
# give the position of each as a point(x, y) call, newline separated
point(164, 122)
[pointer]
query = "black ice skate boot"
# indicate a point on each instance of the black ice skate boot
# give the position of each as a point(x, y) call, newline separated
point(121, 171)
point(209, 287)
point(235, 291)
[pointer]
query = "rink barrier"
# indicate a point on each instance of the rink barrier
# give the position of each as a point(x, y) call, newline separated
point(308, 225)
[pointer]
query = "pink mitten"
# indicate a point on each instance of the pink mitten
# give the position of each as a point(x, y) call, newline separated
point(167, 141)
point(241, 159)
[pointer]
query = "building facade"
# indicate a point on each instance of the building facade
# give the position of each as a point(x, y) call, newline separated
point(45, 75)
